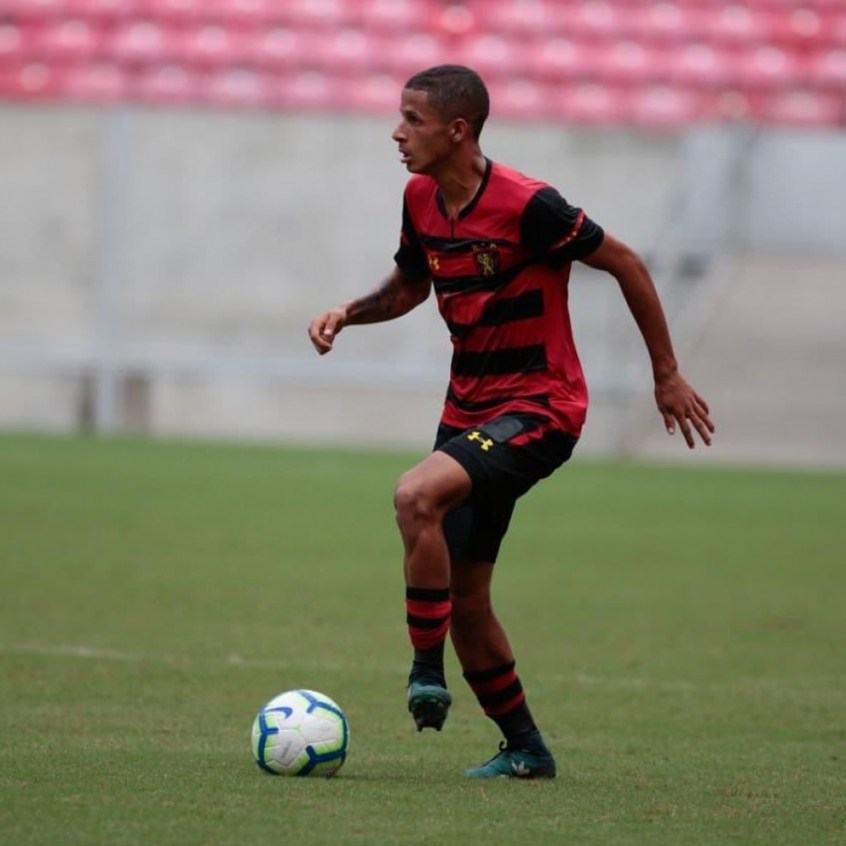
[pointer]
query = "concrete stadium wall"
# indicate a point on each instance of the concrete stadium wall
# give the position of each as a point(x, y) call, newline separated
point(190, 249)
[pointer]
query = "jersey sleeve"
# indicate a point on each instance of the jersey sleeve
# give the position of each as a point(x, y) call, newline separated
point(551, 227)
point(410, 257)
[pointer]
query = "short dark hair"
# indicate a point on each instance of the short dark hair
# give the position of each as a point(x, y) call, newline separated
point(454, 92)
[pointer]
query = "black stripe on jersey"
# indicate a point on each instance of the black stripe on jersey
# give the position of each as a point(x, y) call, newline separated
point(509, 310)
point(522, 307)
point(477, 282)
point(457, 246)
point(500, 362)
point(487, 405)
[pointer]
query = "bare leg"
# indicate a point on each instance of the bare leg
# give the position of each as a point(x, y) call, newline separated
point(489, 668)
point(423, 495)
point(478, 637)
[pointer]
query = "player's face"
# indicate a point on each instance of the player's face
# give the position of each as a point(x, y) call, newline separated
point(422, 136)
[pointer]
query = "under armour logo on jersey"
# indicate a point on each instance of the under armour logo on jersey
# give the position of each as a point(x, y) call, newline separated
point(434, 262)
point(484, 443)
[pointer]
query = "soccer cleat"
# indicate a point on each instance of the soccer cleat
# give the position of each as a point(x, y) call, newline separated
point(515, 763)
point(429, 705)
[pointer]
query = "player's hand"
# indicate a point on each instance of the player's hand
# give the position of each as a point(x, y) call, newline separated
point(323, 329)
point(681, 406)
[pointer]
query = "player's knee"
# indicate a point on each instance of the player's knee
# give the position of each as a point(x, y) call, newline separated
point(413, 505)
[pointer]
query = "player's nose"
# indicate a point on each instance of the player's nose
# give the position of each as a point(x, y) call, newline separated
point(398, 135)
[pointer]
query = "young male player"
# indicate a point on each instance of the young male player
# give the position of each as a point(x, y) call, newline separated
point(496, 246)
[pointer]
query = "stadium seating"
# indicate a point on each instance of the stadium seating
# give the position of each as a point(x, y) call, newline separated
point(166, 85)
point(96, 83)
point(75, 40)
point(657, 63)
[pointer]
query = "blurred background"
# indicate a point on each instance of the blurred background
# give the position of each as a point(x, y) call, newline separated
point(185, 183)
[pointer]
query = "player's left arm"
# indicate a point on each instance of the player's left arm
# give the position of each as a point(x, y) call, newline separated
point(677, 401)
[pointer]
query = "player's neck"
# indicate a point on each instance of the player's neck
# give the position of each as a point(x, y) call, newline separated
point(459, 181)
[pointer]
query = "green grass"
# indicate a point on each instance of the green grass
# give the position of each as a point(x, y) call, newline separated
point(681, 634)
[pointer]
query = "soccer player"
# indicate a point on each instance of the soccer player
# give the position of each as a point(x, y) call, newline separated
point(496, 246)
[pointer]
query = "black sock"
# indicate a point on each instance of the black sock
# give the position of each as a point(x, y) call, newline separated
point(501, 696)
point(428, 666)
point(530, 741)
point(517, 725)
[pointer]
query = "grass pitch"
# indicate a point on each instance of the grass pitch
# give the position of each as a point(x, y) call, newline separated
point(681, 635)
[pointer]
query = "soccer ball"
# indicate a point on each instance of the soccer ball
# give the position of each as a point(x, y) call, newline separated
point(300, 733)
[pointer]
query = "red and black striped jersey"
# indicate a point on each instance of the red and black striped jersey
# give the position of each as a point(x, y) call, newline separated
point(500, 271)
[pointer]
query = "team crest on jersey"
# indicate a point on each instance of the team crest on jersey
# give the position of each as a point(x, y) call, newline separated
point(487, 259)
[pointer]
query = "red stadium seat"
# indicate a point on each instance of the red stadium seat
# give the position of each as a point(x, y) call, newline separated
point(282, 47)
point(144, 42)
point(27, 10)
point(407, 54)
point(16, 43)
point(28, 81)
point(243, 12)
point(835, 28)
point(77, 39)
point(308, 90)
point(801, 109)
point(374, 94)
point(517, 17)
point(798, 27)
point(397, 15)
point(455, 19)
point(827, 69)
point(666, 107)
point(629, 62)
point(597, 19)
point(237, 88)
point(737, 23)
point(561, 59)
point(493, 55)
point(666, 21)
point(171, 11)
point(521, 99)
point(213, 45)
point(316, 14)
point(94, 83)
point(592, 104)
point(167, 84)
point(769, 67)
point(347, 51)
point(106, 10)
point(701, 65)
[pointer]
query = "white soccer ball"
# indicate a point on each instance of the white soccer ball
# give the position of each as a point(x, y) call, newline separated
point(301, 733)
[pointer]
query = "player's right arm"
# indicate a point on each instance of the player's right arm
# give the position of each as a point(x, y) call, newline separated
point(407, 287)
point(396, 296)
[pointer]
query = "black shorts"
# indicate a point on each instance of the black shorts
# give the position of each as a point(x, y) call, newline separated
point(504, 458)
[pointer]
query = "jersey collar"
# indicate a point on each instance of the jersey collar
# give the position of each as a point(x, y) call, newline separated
point(475, 199)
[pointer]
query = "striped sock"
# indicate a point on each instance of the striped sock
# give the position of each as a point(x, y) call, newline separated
point(501, 696)
point(428, 614)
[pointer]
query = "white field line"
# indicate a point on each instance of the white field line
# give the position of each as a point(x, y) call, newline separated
point(793, 689)
point(173, 660)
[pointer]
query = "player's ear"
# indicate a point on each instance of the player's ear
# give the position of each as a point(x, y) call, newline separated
point(458, 130)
